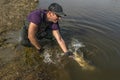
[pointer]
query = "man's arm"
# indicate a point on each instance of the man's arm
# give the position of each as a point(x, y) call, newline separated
point(31, 35)
point(60, 40)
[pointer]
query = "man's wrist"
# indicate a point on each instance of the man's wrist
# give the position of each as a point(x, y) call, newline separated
point(41, 50)
point(38, 48)
point(69, 53)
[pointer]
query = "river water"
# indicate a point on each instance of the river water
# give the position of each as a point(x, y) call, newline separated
point(96, 24)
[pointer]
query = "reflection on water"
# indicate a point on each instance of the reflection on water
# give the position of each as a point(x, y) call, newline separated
point(96, 23)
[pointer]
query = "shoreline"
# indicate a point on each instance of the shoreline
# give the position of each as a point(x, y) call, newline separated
point(18, 63)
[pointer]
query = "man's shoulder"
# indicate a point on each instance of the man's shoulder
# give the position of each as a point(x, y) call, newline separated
point(37, 12)
point(35, 16)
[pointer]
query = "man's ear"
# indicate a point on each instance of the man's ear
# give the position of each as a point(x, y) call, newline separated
point(50, 13)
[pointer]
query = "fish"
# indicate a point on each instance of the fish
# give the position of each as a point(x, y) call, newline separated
point(84, 64)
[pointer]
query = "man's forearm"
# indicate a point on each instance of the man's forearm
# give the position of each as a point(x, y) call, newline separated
point(62, 45)
point(60, 40)
point(35, 42)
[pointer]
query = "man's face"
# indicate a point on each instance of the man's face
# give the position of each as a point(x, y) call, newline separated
point(53, 17)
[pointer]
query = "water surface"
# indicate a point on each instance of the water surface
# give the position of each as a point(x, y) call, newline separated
point(95, 23)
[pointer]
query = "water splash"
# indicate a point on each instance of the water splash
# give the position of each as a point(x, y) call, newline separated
point(75, 48)
point(79, 56)
point(51, 57)
point(47, 58)
point(76, 45)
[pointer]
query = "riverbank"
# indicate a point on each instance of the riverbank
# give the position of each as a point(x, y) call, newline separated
point(13, 13)
point(16, 62)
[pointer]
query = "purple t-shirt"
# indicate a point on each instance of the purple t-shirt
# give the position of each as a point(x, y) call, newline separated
point(36, 18)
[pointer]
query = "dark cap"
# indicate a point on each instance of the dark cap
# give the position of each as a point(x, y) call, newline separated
point(57, 9)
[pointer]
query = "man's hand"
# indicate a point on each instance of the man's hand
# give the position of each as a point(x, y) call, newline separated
point(69, 54)
point(40, 51)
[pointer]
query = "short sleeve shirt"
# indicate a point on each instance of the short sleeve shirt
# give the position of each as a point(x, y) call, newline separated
point(35, 17)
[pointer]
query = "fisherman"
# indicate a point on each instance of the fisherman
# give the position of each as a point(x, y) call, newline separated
point(41, 24)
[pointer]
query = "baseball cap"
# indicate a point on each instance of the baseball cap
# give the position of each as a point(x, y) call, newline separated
point(55, 7)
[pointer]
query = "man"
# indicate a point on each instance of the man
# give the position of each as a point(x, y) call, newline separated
point(41, 24)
